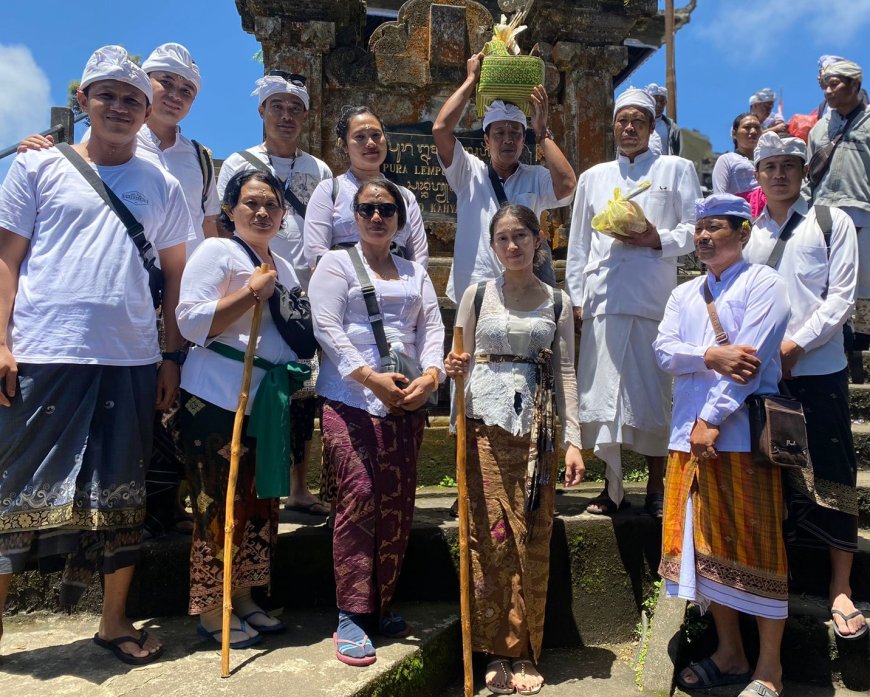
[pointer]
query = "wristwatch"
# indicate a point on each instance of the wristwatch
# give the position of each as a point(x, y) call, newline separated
point(175, 356)
point(547, 134)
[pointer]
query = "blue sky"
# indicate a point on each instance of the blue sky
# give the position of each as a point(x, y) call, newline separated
point(730, 49)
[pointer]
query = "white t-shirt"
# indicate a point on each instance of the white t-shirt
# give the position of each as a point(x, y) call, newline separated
point(468, 176)
point(83, 291)
point(216, 269)
point(305, 173)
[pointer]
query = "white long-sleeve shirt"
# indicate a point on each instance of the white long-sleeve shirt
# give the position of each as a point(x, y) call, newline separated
point(606, 276)
point(329, 223)
point(412, 323)
point(753, 310)
point(821, 290)
point(734, 173)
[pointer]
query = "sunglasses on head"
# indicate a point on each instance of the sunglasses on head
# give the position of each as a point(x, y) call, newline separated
point(292, 78)
point(367, 210)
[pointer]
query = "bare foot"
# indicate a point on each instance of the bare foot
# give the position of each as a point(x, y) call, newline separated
point(844, 604)
point(108, 632)
point(727, 665)
point(499, 678)
point(527, 680)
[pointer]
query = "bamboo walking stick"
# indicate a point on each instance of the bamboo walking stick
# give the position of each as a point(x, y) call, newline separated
point(464, 553)
point(235, 454)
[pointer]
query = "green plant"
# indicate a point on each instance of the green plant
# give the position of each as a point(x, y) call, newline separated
point(447, 481)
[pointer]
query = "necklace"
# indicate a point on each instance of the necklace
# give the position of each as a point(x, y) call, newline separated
point(517, 294)
point(272, 164)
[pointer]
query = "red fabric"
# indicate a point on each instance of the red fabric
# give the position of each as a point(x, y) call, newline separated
point(801, 125)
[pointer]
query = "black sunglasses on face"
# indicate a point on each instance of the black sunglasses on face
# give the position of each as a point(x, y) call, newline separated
point(367, 210)
point(292, 78)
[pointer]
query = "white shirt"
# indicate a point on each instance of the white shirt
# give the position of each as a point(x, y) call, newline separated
point(216, 269)
point(328, 224)
point(816, 317)
point(412, 323)
point(606, 276)
point(468, 176)
point(305, 172)
point(83, 291)
point(182, 162)
point(733, 174)
point(491, 386)
point(753, 310)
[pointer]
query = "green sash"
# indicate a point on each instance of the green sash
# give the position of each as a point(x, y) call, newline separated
point(269, 422)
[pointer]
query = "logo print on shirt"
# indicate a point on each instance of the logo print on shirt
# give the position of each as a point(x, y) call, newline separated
point(136, 198)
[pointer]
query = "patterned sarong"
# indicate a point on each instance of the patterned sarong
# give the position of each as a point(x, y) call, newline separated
point(510, 571)
point(737, 517)
point(206, 433)
point(375, 464)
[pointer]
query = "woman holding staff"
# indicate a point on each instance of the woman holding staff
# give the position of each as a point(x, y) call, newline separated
point(372, 421)
point(219, 290)
point(523, 348)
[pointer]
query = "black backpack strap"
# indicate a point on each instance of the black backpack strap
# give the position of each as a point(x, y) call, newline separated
point(372, 307)
point(787, 230)
point(134, 228)
point(478, 299)
point(497, 187)
point(206, 164)
point(334, 189)
point(826, 224)
point(292, 199)
point(557, 312)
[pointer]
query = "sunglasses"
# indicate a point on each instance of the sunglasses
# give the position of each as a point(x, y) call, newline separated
point(292, 78)
point(367, 210)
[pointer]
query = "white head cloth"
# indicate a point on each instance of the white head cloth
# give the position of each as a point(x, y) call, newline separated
point(640, 99)
point(770, 145)
point(843, 68)
point(657, 90)
point(503, 111)
point(763, 96)
point(827, 59)
point(275, 84)
point(176, 59)
point(111, 63)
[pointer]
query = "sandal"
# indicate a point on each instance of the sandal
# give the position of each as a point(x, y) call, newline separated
point(843, 616)
point(603, 505)
point(503, 674)
point(114, 645)
point(522, 663)
point(352, 647)
point(758, 689)
point(217, 635)
point(393, 626)
point(279, 628)
point(708, 675)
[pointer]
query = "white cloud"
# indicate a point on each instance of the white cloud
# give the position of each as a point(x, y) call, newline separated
point(752, 29)
point(24, 97)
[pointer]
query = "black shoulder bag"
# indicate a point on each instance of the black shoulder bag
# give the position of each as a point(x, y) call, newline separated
point(134, 228)
point(391, 361)
point(291, 312)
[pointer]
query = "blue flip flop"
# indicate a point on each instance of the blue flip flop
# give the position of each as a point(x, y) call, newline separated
point(216, 636)
point(393, 626)
point(352, 645)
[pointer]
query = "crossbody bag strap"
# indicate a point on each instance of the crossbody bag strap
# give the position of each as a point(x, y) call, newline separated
point(300, 208)
point(557, 313)
point(206, 164)
point(372, 307)
point(779, 248)
point(721, 335)
point(134, 228)
point(497, 186)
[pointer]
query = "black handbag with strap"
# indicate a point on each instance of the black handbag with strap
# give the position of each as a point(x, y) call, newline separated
point(777, 427)
point(290, 309)
point(392, 361)
point(135, 230)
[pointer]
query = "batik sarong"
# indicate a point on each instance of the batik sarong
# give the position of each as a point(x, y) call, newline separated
point(823, 508)
point(510, 559)
point(72, 493)
point(737, 511)
point(375, 464)
point(206, 433)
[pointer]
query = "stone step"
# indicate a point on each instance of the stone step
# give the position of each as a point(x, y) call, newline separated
point(50, 654)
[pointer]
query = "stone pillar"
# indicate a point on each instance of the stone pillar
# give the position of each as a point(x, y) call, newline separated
point(588, 98)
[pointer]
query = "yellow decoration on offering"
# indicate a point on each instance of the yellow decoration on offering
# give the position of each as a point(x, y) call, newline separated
point(622, 217)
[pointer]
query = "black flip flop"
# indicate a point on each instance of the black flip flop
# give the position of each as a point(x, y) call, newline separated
point(309, 509)
point(114, 645)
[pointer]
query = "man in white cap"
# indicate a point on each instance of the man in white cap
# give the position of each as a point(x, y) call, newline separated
point(839, 150)
point(79, 349)
point(480, 187)
point(815, 250)
point(619, 289)
point(283, 106)
point(667, 131)
point(761, 105)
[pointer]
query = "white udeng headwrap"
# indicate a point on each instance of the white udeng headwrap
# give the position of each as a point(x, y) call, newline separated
point(843, 68)
point(640, 99)
point(763, 96)
point(275, 84)
point(503, 111)
point(827, 59)
point(656, 90)
point(174, 58)
point(111, 63)
point(770, 144)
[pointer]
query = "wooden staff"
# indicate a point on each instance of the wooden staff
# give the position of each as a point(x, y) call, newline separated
point(235, 454)
point(464, 553)
point(671, 74)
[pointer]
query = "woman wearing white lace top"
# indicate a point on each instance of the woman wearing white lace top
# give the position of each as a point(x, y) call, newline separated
point(522, 338)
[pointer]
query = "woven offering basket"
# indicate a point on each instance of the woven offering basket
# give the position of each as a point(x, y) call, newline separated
point(509, 78)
